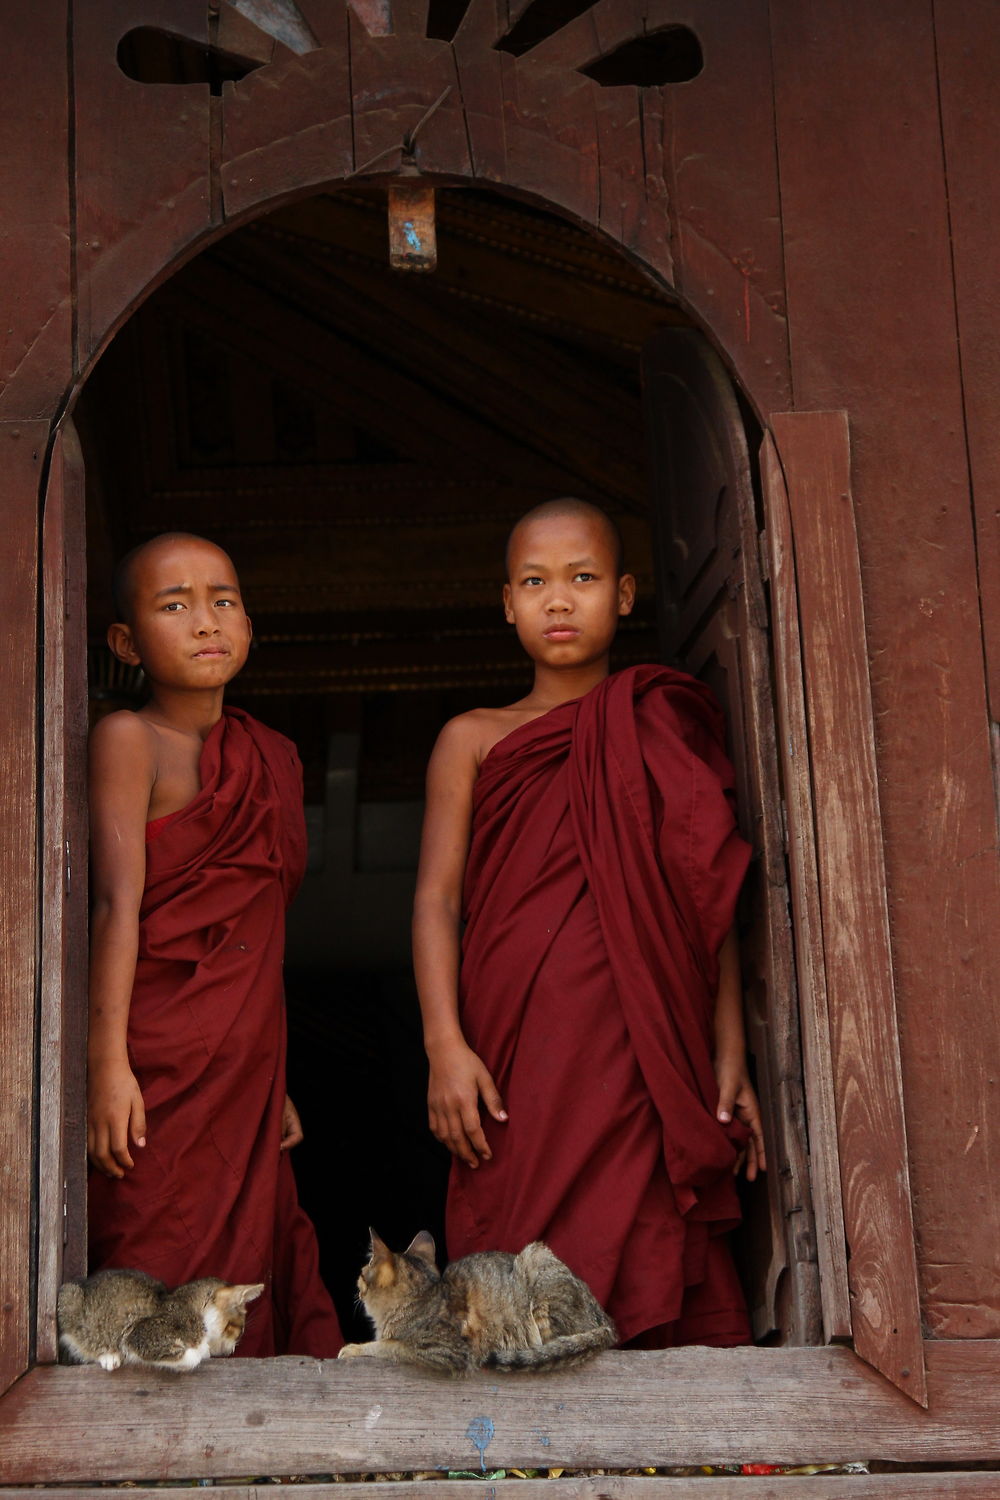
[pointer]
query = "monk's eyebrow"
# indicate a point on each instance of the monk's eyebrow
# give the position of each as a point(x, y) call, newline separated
point(185, 588)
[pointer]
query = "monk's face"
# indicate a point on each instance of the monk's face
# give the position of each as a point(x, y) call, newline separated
point(564, 594)
point(188, 628)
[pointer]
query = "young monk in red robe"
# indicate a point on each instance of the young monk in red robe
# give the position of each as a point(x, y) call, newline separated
point(585, 836)
point(197, 846)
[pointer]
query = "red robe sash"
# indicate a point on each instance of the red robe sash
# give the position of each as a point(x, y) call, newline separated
point(602, 877)
point(211, 1194)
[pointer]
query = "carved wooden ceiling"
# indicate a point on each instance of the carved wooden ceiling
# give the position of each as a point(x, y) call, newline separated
point(361, 439)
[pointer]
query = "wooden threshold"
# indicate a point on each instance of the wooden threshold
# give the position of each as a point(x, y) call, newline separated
point(935, 1486)
point(678, 1407)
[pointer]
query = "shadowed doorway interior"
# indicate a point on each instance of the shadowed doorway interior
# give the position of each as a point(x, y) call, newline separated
point(360, 440)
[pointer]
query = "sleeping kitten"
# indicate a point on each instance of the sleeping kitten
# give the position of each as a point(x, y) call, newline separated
point(126, 1317)
point(511, 1312)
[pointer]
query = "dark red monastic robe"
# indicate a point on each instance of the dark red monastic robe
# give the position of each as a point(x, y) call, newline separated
point(211, 1194)
point(603, 875)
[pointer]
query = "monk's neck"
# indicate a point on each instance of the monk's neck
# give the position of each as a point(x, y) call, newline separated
point(193, 713)
point(553, 686)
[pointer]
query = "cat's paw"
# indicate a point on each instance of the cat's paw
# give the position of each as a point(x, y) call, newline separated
point(352, 1351)
point(109, 1361)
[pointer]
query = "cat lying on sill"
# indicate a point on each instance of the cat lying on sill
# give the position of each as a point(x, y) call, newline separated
point(126, 1317)
point(507, 1312)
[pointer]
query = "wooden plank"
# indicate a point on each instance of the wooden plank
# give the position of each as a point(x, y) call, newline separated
point(22, 457)
point(938, 1486)
point(36, 350)
point(967, 41)
point(722, 188)
point(882, 1272)
point(142, 153)
point(396, 82)
point(289, 125)
point(793, 742)
point(62, 1206)
point(867, 242)
point(298, 1416)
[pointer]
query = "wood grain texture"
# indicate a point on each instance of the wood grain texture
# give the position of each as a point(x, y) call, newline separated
point(62, 1208)
point(882, 1273)
point(22, 457)
point(866, 244)
point(34, 189)
point(292, 1416)
point(793, 742)
point(939, 1486)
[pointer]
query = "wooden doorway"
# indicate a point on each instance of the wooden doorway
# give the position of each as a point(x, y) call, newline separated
point(361, 442)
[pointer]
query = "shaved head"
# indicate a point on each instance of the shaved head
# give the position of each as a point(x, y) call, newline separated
point(552, 510)
point(122, 580)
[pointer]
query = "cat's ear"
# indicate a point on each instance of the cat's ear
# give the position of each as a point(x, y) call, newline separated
point(379, 1249)
point(422, 1245)
point(241, 1295)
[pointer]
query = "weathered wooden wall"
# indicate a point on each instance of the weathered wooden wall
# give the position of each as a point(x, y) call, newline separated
point(822, 198)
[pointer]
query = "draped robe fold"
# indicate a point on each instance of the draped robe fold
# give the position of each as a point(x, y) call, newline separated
point(603, 873)
point(211, 1194)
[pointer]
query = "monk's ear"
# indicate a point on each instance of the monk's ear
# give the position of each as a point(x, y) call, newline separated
point(422, 1246)
point(508, 612)
point(122, 645)
point(626, 594)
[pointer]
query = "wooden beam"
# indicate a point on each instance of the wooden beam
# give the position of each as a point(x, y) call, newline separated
point(682, 1406)
point(982, 1486)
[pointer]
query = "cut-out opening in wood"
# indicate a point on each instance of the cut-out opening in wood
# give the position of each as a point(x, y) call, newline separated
point(540, 20)
point(149, 54)
point(670, 55)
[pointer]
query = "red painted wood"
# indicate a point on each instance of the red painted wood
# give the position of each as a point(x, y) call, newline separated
point(143, 151)
point(968, 53)
point(723, 195)
point(22, 458)
point(872, 323)
point(395, 81)
point(35, 351)
point(288, 126)
point(882, 1272)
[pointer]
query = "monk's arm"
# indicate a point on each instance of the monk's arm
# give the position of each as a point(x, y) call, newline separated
point(458, 1078)
point(736, 1092)
point(122, 772)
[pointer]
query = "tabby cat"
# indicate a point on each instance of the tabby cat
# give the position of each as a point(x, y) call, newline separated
point(510, 1312)
point(126, 1317)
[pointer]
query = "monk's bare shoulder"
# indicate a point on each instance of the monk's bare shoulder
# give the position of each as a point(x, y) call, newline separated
point(124, 740)
point(466, 740)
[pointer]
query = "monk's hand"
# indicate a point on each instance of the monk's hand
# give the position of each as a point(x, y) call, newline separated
point(458, 1080)
point(738, 1100)
point(116, 1116)
point(291, 1126)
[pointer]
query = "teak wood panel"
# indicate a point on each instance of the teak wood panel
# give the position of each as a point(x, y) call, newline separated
point(872, 323)
point(62, 1036)
point(882, 1272)
point(793, 739)
point(684, 1406)
point(22, 457)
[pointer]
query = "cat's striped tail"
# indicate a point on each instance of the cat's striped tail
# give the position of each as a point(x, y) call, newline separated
point(558, 1353)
